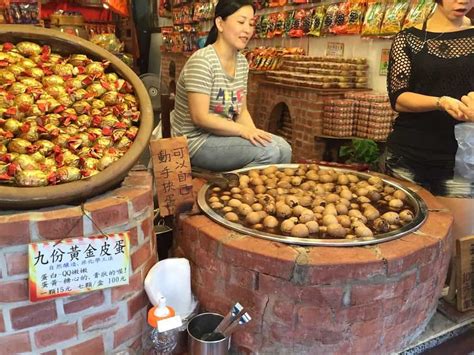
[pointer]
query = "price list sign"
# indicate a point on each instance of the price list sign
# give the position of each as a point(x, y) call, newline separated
point(71, 266)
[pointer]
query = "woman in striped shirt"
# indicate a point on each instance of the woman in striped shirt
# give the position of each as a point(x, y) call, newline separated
point(211, 99)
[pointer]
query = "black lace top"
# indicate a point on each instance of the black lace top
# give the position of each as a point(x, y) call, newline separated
point(432, 64)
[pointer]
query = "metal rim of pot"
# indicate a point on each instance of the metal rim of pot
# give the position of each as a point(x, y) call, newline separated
point(77, 191)
point(420, 208)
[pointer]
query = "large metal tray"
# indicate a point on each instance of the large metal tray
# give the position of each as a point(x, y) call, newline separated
point(415, 200)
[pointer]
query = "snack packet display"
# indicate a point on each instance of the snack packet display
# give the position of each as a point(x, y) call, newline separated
point(307, 22)
point(418, 13)
point(330, 18)
point(272, 22)
point(297, 28)
point(394, 17)
point(356, 16)
point(317, 19)
point(341, 19)
point(373, 17)
point(280, 21)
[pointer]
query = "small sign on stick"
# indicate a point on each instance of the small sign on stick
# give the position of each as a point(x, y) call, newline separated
point(172, 170)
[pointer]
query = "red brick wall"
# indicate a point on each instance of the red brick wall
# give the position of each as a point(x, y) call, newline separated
point(179, 60)
point(305, 106)
point(98, 322)
point(320, 300)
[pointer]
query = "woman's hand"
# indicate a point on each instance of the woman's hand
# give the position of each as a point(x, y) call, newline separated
point(255, 136)
point(468, 107)
point(453, 107)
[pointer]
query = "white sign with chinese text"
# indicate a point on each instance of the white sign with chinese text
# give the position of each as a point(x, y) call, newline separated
point(72, 266)
point(335, 49)
point(172, 170)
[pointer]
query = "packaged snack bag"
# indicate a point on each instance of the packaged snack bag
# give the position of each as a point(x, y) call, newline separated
point(394, 17)
point(317, 19)
point(373, 17)
point(330, 18)
point(356, 16)
point(280, 20)
point(307, 22)
point(297, 28)
point(418, 13)
point(340, 21)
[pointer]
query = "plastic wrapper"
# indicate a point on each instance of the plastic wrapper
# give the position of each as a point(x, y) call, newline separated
point(68, 173)
point(31, 178)
point(329, 18)
point(108, 41)
point(106, 161)
point(418, 12)
point(89, 163)
point(373, 17)
point(48, 104)
point(19, 145)
point(26, 162)
point(95, 68)
point(394, 17)
point(45, 147)
point(6, 76)
point(356, 16)
point(79, 60)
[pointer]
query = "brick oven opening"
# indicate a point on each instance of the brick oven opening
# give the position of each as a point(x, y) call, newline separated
point(172, 86)
point(280, 121)
point(172, 70)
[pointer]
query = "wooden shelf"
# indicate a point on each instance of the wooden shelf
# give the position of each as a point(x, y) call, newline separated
point(347, 138)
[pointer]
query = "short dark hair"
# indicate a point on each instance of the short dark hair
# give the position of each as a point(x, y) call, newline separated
point(224, 9)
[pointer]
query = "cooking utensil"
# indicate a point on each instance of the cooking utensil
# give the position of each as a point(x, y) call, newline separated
point(217, 334)
point(233, 326)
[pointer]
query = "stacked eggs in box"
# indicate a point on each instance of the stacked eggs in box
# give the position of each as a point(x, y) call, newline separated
point(322, 72)
point(374, 116)
point(338, 117)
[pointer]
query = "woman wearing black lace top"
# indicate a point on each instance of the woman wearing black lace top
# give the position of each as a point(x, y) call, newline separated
point(431, 68)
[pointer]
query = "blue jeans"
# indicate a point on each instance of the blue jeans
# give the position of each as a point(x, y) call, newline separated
point(221, 153)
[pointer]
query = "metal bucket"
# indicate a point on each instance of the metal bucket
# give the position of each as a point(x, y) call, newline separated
point(202, 324)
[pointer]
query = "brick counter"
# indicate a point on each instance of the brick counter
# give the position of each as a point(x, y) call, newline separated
point(97, 322)
point(314, 300)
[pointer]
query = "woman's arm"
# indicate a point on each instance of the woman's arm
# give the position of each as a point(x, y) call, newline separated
point(252, 133)
point(199, 111)
point(413, 102)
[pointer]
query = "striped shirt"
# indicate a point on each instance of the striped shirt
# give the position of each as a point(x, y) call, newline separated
point(203, 74)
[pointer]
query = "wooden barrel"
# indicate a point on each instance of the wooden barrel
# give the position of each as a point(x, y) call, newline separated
point(12, 197)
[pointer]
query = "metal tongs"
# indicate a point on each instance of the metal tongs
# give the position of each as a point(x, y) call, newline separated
point(236, 317)
point(223, 180)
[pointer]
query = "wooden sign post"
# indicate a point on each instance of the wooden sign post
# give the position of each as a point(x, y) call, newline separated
point(172, 170)
point(465, 273)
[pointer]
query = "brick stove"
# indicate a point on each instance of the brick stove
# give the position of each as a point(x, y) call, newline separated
point(98, 322)
point(318, 300)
